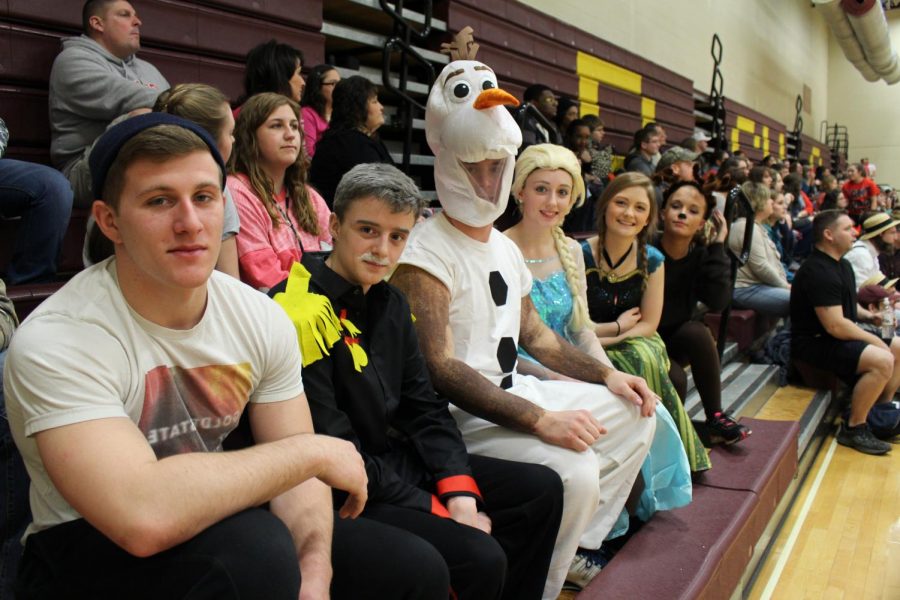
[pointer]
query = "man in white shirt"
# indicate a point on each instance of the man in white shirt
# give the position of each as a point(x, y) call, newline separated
point(121, 387)
point(877, 234)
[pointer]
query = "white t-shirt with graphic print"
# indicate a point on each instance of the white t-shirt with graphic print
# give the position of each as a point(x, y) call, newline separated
point(84, 354)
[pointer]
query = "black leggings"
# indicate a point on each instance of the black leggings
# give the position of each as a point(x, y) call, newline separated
point(692, 344)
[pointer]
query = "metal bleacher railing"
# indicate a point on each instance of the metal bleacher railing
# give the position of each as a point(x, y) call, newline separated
point(838, 141)
point(716, 98)
point(794, 139)
point(400, 42)
point(736, 204)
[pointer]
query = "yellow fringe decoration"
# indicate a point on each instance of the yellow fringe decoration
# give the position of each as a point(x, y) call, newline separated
point(352, 329)
point(318, 327)
point(360, 359)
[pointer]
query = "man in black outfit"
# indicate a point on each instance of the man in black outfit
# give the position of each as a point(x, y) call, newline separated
point(537, 116)
point(824, 312)
point(493, 522)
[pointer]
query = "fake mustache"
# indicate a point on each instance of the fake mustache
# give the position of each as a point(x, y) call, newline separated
point(369, 257)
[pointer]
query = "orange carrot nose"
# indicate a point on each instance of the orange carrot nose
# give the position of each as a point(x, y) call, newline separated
point(494, 97)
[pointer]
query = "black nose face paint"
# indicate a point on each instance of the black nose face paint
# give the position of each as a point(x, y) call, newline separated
point(682, 216)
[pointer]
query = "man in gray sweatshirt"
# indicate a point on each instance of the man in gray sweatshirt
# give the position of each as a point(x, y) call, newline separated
point(95, 80)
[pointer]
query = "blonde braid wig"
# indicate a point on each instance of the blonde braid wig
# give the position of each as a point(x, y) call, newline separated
point(553, 157)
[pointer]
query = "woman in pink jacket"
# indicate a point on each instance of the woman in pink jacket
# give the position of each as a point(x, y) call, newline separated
point(316, 104)
point(281, 216)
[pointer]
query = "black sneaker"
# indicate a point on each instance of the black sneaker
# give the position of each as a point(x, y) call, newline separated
point(888, 435)
point(586, 565)
point(861, 438)
point(725, 430)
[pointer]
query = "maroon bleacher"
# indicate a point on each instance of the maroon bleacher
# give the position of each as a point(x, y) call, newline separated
point(744, 326)
point(701, 550)
point(187, 41)
point(755, 148)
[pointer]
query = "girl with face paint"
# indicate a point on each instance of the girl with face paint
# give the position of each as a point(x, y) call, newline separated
point(695, 272)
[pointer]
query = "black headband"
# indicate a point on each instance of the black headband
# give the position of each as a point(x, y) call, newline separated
point(107, 147)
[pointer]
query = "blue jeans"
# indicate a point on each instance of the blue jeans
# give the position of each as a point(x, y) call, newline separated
point(16, 513)
point(42, 197)
point(764, 299)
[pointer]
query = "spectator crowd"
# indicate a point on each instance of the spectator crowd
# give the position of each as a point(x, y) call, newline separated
point(276, 377)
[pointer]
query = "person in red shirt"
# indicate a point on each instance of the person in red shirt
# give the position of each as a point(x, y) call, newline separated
point(861, 192)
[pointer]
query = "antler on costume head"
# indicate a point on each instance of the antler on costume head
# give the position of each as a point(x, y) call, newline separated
point(463, 46)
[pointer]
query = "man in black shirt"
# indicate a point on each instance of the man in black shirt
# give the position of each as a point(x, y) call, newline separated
point(493, 522)
point(536, 117)
point(824, 331)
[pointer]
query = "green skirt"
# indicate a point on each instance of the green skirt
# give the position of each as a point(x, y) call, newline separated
point(647, 358)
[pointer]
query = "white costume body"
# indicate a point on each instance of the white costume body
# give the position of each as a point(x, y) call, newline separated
point(487, 282)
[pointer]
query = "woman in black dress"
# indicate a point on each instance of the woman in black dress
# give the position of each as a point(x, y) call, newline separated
point(351, 138)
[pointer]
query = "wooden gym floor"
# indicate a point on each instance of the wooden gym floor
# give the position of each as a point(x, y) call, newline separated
point(836, 542)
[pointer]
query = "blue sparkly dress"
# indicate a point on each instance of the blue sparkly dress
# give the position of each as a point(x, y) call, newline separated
point(666, 472)
point(553, 301)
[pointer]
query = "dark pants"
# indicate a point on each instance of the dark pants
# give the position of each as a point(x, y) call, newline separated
point(42, 197)
point(787, 242)
point(804, 245)
point(247, 556)
point(524, 502)
point(692, 344)
point(15, 513)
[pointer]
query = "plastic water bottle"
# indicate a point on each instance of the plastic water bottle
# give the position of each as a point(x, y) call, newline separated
point(887, 319)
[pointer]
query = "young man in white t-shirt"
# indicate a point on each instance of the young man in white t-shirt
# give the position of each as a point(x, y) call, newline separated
point(121, 387)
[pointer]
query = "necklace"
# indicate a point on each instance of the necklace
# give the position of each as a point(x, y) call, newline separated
point(290, 223)
point(610, 274)
point(538, 261)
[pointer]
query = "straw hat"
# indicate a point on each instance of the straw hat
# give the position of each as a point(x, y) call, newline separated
point(880, 280)
point(876, 225)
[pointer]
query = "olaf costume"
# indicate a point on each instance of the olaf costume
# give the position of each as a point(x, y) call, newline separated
point(465, 124)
